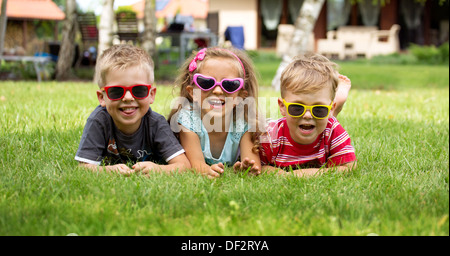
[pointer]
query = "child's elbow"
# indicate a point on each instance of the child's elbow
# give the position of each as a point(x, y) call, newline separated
point(353, 164)
point(348, 167)
point(183, 163)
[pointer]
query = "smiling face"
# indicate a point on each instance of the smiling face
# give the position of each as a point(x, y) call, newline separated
point(216, 103)
point(305, 129)
point(128, 111)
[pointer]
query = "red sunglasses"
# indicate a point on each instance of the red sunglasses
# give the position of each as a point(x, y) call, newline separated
point(117, 92)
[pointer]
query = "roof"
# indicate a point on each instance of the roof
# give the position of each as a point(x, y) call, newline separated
point(168, 8)
point(33, 9)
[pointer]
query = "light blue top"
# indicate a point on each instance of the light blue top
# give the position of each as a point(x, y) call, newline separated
point(191, 120)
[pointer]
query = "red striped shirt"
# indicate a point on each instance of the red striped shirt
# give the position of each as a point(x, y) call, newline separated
point(333, 147)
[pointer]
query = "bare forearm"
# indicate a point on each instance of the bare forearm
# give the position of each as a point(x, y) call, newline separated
point(200, 166)
point(177, 164)
point(118, 168)
point(271, 169)
point(309, 172)
point(92, 167)
point(171, 168)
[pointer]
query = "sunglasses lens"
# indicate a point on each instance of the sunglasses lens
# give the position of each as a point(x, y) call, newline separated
point(115, 93)
point(140, 91)
point(231, 85)
point(296, 110)
point(320, 112)
point(205, 83)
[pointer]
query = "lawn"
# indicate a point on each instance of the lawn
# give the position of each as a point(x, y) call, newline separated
point(397, 117)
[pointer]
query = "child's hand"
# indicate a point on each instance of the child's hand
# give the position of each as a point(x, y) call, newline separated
point(122, 169)
point(211, 172)
point(216, 170)
point(145, 167)
point(247, 164)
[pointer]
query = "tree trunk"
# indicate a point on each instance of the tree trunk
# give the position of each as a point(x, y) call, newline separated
point(67, 49)
point(149, 35)
point(105, 32)
point(3, 21)
point(304, 25)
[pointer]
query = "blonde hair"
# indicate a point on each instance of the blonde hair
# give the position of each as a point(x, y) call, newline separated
point(246, 71)
point(121, 57)
point(309, 73)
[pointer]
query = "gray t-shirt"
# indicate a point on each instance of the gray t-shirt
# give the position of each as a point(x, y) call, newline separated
point(103, 143)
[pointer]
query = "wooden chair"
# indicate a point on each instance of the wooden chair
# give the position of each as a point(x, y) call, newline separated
point(384, 42)
point(127, 26)
point(87, 23)
point(346, 42)
point(88, 27)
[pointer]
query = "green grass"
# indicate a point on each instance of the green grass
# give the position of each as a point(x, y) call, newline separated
point(397, 117)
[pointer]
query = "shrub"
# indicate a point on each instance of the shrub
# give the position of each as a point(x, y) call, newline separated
point(430, 54)
point(25, 70)
point(443, 50)
point(394, 58)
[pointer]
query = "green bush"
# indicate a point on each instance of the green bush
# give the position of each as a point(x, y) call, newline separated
point(126, 12)
point(430, 54)
point(394, 58)
point(19, 70)
point(443, 50)
point(416, 55)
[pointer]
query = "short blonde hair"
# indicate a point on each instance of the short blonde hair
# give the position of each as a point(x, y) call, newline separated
point(309, 73)
point(121, 57)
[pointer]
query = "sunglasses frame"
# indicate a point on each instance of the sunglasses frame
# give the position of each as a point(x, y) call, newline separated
point(306, 107)
point(241, 81)
point(127, 88)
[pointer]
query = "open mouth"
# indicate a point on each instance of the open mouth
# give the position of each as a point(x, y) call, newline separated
point(128, 110)
point(216, 104)
point(307, 128)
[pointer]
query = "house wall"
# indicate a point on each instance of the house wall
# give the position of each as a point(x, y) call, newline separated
point(21, 39)
point(237, 13)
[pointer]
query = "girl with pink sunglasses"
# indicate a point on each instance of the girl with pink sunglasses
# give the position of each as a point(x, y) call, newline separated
point(216, 118)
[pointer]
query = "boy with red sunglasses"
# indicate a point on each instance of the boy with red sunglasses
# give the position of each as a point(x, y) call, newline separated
point(308, 140)
point(123, 134)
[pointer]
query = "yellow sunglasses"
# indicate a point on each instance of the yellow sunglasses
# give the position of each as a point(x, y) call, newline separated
point(298, 110)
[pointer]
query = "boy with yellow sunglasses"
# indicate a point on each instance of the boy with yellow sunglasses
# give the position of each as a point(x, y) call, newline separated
point(308, 139)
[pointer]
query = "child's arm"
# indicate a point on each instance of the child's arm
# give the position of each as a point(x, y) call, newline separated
point(249, 158)
point(341, 93)
point(118, 168)
point(347, 167)
point(191, 144)
point(177, 164)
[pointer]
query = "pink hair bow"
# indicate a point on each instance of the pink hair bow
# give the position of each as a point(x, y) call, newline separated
point(200, 56)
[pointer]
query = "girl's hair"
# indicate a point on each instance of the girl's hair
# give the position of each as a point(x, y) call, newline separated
point(309, 73)
point(121, 57)
point(241, 62)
